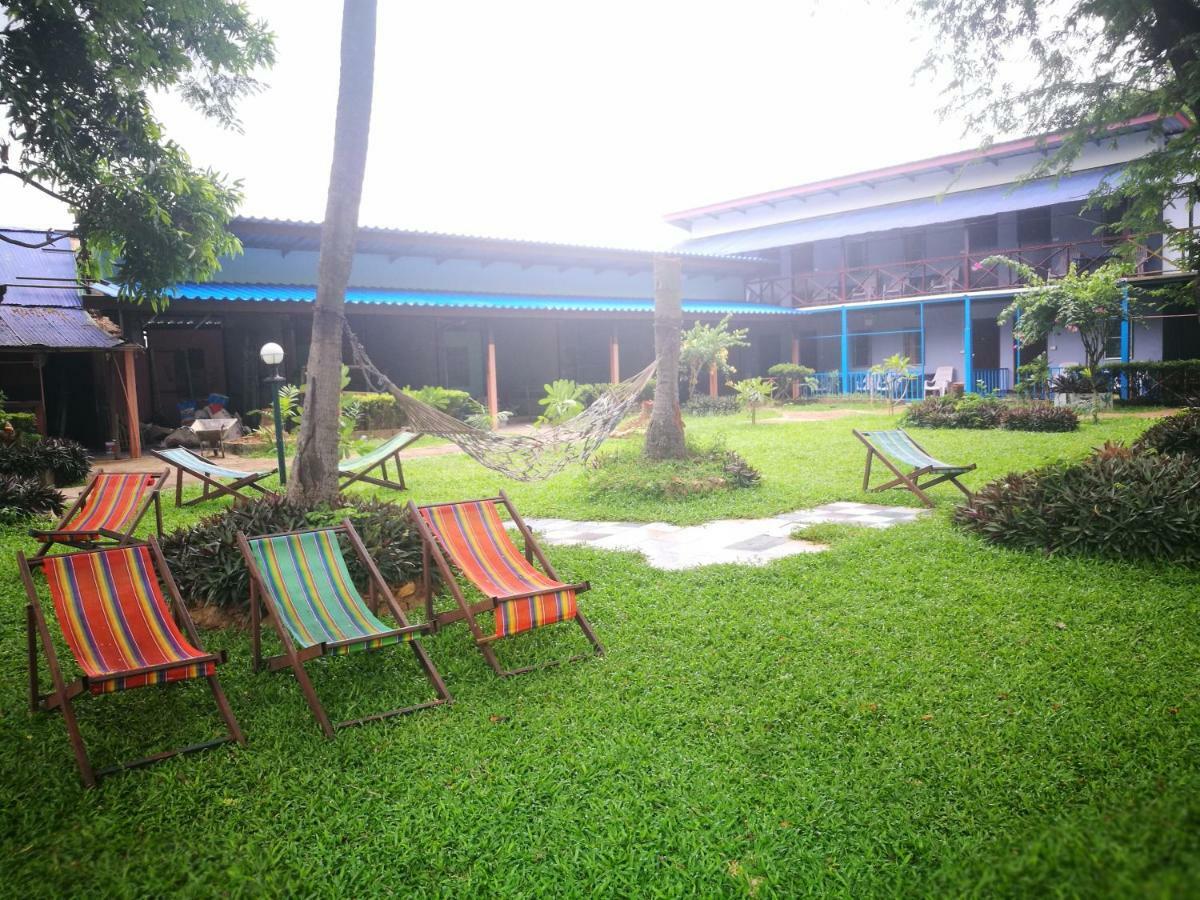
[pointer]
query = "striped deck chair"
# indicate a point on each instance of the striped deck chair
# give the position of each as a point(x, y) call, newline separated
point(301, 580)
point(471, 537)
point(120, 630)
point(898, 445)
point(107, 512)
point(209, 474)
point(359, 468)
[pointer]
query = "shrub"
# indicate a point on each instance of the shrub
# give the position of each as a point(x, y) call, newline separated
point(1168, 382)
point(1177, 434)
point(1039, 417)
point(66, 459)
point(1115, 503)
point(24, 424)
point(968, 411)
point(22, 498)
point(1078, 380)
point(704, 405)
point(209, 568)
point(704, 471)
point(562, 402)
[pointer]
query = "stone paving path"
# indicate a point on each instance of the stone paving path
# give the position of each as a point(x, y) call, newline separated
point(746, 541)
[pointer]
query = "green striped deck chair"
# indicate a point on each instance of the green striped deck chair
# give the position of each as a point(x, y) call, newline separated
point(300, 581)
point(899, 446)
point(218, 481)
point(361, 467)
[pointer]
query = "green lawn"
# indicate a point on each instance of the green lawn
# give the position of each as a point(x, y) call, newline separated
point(912, 712)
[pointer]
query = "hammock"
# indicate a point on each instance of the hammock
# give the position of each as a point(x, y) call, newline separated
point(525, 457)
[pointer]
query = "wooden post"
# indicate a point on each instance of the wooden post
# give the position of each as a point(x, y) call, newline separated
point(614, 357)
point(493, 398)
point(795, 362)
point(131, 404)
point(712, 381)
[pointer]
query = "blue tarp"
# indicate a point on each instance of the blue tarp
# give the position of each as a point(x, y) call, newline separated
point(910, 214)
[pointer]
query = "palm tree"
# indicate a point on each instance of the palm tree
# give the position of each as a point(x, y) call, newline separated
point(664, 436)
point(315, 468)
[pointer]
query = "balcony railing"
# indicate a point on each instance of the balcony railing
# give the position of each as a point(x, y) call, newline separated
point(945, 275)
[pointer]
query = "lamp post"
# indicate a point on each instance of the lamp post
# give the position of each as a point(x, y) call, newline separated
point(272, 355)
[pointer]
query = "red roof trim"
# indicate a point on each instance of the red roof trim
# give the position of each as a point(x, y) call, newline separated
point(924, 165)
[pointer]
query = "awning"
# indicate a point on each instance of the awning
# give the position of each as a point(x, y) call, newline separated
point(53, 328)
point(298, 293)
point(912, 213)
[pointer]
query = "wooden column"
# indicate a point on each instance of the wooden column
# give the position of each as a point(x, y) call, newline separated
point(493, 397)
point(795, 362)
point(712, 381)
point(614, 357)
point(131, 403)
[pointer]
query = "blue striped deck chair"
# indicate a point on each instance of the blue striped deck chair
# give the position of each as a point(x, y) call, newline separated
point(299, 579)
point(360, 467)
point(217, 480)
point(898, 445)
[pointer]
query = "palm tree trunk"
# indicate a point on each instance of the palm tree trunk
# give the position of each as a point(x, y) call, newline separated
point(664, 436)
point(314, 472)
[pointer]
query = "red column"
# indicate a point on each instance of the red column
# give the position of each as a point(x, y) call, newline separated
point(493, 397)
point(131, 403)
point(614, 357)
point(795, 362)
point(712, 381)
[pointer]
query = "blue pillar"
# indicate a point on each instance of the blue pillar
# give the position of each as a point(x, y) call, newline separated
point(845, 352)
point(968, 363)
point(1125, 340)
point(921, 313)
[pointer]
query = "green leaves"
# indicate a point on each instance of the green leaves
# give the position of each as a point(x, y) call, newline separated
point(563, 401)
point(75, 83)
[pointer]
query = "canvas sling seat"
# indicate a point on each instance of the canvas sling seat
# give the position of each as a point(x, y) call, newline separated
point(107, 512)
point(217, 480)
point(469, 536)
point(120, 630)
point(898, 445)
point(300, 581)
point(361, 467)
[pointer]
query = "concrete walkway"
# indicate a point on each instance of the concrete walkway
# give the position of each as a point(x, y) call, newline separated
point(752, 542)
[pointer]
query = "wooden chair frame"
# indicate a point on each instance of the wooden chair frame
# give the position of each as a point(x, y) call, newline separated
point(431, 555)
point(63, 695)
point(295, 658)
point(59, 535)
point(212, 488)
point(912, 480)
point(348, 478)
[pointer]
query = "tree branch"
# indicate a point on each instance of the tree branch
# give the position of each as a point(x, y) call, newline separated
point(40, 244)
point(27, 179)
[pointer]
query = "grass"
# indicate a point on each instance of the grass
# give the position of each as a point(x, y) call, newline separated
point(912, 712)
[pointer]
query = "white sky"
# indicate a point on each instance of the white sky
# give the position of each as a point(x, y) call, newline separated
point(570, 121)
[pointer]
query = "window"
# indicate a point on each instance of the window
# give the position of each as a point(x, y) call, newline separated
point(856, 253)
point(1033, 226)
point(914, 246)
point(912, 346)
point(1112, 344)
point(983, 234)
point(860, 351)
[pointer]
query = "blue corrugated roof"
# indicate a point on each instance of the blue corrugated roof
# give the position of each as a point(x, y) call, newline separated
point(50, 265)
point(297, 293)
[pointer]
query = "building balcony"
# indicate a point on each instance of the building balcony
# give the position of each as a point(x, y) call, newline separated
point(948, 274)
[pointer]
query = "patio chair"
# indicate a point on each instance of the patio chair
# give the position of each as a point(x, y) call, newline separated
point(898, 445)
point(121, 632)
point(107, 513)
point(301, 579)
point(358, 469)
point(943, 377)
point(234, 485)
point(471, 537)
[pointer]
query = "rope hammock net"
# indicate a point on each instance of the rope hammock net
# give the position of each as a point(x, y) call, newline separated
point(524, 457)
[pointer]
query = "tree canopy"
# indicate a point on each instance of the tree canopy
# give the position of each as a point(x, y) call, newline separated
point(1080, 68)
point(76, 80)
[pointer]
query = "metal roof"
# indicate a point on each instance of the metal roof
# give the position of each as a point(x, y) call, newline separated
point(298, 293)
point(52, 266)
point(52, 328)
point(950, 162)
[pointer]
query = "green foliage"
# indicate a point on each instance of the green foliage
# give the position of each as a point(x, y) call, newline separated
point(23, 423)
point(1115, 503)
point(1039, 417)
point(66, 459)
point(379, 412)
point(1081, 380)
point(562, 402)
point(451, 401)
point(22, 498)
point(1173, 435)
point(705, 470)
point(788, 374)
point(208, 567)
point(76, 81)
point(968, 411)
point(707, 346)
point(1173, 382)
point(1089, 66)
point(1033, 377)
point(1087, 304)
point(753, 394)
point(704, 405)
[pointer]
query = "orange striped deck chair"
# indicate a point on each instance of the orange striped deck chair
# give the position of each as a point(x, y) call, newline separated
point(301, 580)
point(470, 537)
point(120, 630)
point(107, 512)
